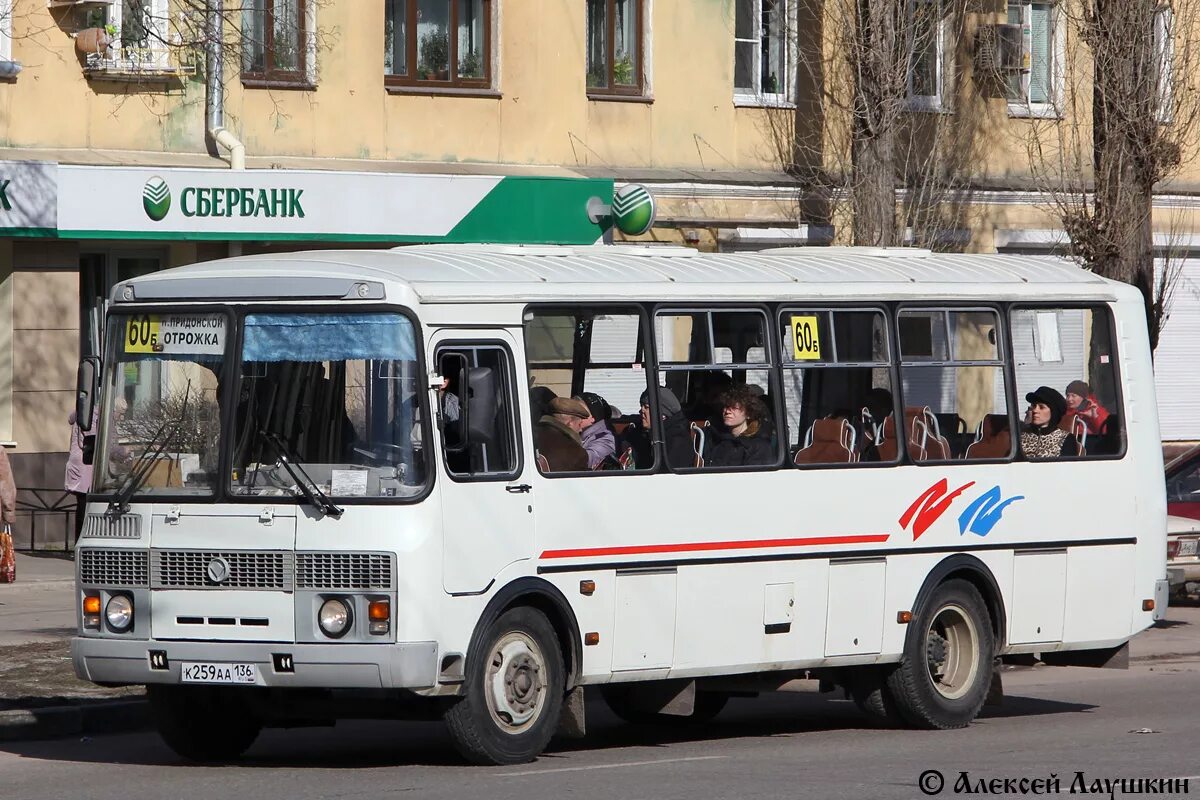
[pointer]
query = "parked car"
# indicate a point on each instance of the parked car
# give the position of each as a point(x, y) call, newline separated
point(1183, 485)
point(1183, 553)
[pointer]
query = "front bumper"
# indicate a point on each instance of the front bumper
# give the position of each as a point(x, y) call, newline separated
point(406, 665)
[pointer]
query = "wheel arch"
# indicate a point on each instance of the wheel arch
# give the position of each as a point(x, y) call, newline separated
point(545, 597)
point(967, 567)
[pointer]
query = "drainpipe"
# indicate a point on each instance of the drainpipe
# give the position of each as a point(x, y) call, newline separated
point(214, 101)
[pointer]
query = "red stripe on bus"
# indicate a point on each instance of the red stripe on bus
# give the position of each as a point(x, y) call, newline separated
point(704, 546)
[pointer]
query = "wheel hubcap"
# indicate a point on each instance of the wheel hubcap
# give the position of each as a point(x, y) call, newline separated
point(952, 651)
point(516, 681)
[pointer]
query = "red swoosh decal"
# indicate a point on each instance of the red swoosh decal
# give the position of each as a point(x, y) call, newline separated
point(926, 510)
point(684, 547)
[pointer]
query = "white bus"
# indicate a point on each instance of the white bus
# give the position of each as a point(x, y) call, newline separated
point(318, 492)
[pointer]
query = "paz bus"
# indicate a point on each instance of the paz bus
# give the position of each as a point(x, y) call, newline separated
point(318, 494)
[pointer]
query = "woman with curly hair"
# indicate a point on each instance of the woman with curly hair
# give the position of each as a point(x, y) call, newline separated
point(745, 439)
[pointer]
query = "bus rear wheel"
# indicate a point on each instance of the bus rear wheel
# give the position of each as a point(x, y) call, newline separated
point(943, 677)
point(514, 691)
point(204, 724)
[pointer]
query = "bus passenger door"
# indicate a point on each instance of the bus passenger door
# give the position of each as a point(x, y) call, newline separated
point(487, 512)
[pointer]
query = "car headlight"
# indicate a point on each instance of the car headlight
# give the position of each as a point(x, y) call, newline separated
point(334, 618)
point(119, 612)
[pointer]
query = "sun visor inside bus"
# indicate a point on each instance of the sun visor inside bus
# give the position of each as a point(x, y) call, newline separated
point(328, 337)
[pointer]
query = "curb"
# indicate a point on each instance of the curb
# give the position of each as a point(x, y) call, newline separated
point(110, 716)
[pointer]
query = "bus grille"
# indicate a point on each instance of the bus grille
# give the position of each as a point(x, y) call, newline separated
point(102, 566)
point(100, 526)
point(189, 569)
point(345, 571)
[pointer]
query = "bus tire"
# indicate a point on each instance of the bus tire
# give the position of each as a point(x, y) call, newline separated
point(204, 724)
point(874, 699)
point(944, 674)
point(620, 701)
point(514, 691)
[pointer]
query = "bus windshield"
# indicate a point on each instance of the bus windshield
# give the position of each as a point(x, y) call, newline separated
point(330, 399)
point(162, 383)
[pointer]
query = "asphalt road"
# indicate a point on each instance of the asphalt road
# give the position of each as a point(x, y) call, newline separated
point(1054, 722)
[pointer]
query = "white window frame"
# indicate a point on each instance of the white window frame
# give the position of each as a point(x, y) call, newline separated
point(1164, 57)
point(756, 96)
point(6, 12)
point(1058, 54)
point(934, 102)
point(123, 59)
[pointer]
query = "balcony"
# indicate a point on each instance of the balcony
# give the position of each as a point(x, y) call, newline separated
point(140, 64)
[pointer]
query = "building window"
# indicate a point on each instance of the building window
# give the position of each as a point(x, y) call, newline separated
point(614, 46)
point(438, 43)
point(1039, 90)
point(762, 50)
point(927, 45)
point(5, 30)
point(276, 42)
point(1164, 58)
point(140, 30)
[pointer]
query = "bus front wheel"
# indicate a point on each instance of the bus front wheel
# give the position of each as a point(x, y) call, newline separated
point(514, 691)
point(203, 724)
point(943, 677)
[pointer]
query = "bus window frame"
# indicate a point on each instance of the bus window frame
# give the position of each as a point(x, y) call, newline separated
point(227, 429)
point(892, 364)
point(1003, 357)
point(1096, 306)
point(648, 366)
point(514, 404)
point(772, 366)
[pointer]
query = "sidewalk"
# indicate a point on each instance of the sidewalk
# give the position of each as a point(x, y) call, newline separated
point(41, 698)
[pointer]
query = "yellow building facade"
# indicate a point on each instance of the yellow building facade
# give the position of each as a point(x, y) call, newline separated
point(374, 115)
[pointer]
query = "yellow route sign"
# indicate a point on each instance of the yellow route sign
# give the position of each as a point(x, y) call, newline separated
point(806, 340)
point(142, 334)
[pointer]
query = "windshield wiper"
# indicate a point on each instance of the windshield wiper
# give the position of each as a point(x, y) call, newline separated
point(307, 485)
point(141, 468)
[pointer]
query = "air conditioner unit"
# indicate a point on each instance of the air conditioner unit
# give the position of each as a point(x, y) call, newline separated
point(1004, 48)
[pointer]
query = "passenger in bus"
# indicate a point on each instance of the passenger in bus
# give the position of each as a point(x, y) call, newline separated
point(557, 435)
point(598, 439)
point(744, 438)
point(1081, 403)
point(1040, 436)
point(674, 432)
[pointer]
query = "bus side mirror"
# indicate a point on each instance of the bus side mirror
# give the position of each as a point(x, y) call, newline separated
point(87, 388)
point(480, 409)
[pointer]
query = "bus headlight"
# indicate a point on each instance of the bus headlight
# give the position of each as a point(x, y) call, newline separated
point(119, 612)
point(334, 618)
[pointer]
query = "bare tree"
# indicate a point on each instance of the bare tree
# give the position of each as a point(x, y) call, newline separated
point(1129, 112)
point(874, 77)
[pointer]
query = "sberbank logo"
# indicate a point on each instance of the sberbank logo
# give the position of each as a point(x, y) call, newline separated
point(633, 209)
point(156, 198)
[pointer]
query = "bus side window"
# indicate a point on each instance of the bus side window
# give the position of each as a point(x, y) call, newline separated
point(837, 386)
point(1072, 352)
point(953, 385)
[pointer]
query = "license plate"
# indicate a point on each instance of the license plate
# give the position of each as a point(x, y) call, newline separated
point(193, 672)
point(1187, 547)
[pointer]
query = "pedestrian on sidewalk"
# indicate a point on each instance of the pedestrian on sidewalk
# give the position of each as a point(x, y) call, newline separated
point(8, 514)
point(78, 479)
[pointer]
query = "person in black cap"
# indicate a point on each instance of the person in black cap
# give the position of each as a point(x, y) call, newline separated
point(598, 440)
point(1040, 436)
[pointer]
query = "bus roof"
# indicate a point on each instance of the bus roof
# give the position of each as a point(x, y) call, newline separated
point(517, 273)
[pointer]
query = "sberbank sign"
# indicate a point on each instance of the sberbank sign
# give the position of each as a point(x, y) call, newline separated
point(222, 201)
